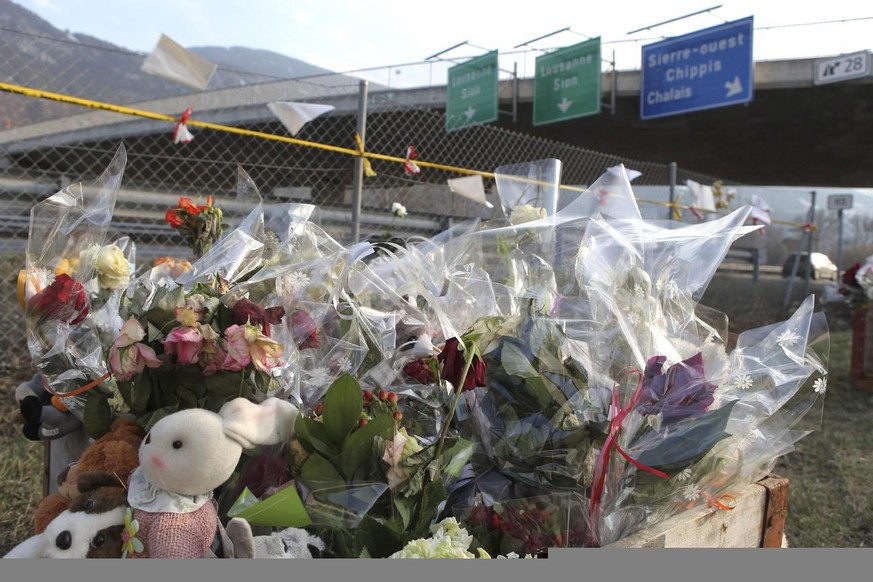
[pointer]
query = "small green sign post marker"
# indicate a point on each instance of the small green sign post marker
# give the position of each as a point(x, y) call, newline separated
point(472, 92)
point(567, 83)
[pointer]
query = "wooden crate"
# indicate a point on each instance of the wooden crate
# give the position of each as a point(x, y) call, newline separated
point(757, 521)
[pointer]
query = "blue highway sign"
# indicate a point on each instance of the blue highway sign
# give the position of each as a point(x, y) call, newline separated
point(701, 70)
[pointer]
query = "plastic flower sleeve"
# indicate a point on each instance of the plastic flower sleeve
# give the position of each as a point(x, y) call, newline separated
point(67, 232)
point(771, 405)
point(659, 361)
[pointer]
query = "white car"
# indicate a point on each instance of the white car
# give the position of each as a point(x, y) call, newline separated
point(822, 266)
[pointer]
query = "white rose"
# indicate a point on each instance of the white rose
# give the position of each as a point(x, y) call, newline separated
point(526, 213)
point(398, 210)
point(113, 270)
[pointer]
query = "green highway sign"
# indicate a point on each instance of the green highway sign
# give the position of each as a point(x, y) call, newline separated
point(567, 83)
point(472, 92)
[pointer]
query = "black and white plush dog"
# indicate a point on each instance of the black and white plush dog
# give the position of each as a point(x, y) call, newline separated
point(91, 528)
point(291, 542)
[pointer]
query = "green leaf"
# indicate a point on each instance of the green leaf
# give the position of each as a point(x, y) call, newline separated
point(457, 456)
point(140, 392)
point(688, 440)
point(313, 432)
point(222, 383)
point(318, 473)
point(547, 394)
point(187, 398)
point(515, 361)
point(403, 505)
point(358, 447)
point(97, 416)
point(124, 388)
point(434, 493)
point(380, 538)
point(343, 405)
point(546, 338)
point(154, 334)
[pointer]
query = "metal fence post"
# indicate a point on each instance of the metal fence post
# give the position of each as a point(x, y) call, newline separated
point(673, 171)
point(358, 186)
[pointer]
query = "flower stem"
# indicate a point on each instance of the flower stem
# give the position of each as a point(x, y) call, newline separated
point(470, 353)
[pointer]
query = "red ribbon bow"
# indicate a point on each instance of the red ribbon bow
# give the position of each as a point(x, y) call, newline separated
point(180, 132)
point(410, 166)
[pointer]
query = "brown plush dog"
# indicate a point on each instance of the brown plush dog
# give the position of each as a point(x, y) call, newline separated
point(115, 453)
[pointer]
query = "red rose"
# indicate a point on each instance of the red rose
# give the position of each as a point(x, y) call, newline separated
point(849, 276)
point(65, 300)
point(453, 366)
point(172, 218)
point(420, 370)
point(304, 330)
point(245, 311)
point(188, 206)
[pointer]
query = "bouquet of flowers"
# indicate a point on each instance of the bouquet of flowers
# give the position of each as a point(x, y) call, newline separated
point(856, 284)
point(544, 379)
point(191, 338)
point(200, 225)
point(73, 281)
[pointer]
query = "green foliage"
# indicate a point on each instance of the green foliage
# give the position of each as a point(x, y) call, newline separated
point(350, 503)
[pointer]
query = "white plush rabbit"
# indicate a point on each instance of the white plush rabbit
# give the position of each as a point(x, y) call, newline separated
point(183, 458)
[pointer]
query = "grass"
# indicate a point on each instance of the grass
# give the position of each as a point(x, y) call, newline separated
point(21, 468)
point(830, 473)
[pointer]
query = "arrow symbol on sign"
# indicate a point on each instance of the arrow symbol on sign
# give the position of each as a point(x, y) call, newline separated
point(734, 87)
point(470, 112)
point(564, 105)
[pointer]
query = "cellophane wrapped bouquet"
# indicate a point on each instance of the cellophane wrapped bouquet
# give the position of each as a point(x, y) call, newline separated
point(546, 378)
point(75, 275)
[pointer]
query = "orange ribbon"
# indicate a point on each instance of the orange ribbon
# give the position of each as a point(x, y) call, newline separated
point(717, 501)
point(77, 391)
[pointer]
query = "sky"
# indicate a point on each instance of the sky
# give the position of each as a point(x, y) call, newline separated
point(349, 35)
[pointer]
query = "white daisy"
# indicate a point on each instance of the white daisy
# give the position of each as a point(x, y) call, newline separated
point(743, 382)
point(685, 475)
point(691, 492)
point(820, 385)
point(787, 338)
point(290, 284)
point(633, 318)
point(319, 376)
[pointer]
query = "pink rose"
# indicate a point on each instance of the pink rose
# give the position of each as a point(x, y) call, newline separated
point(127, 356)
point(212, 354)
point(246, 344)
point(184, 343)
point(237, 356)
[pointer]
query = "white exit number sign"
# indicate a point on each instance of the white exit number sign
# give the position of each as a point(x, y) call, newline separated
point(842, 68)
point(839, 201)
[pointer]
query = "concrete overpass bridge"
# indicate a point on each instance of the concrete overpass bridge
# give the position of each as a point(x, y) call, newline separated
point(793, 132)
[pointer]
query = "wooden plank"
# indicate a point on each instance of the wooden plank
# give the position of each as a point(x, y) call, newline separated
point(710, 527)
point(777, 510)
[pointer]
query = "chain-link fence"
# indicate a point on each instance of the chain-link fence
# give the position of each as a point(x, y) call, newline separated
point(46, 145)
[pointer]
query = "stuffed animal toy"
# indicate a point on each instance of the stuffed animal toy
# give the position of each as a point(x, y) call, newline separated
point(91, 527)
point(43, 419)
point(291, 542)
point(116, 453)
point(184, 458)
